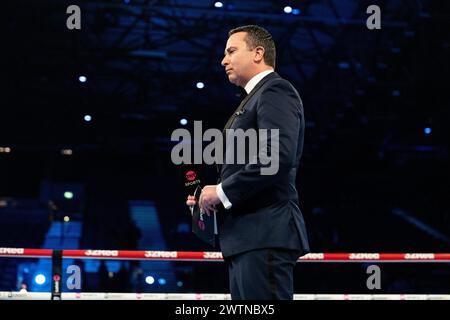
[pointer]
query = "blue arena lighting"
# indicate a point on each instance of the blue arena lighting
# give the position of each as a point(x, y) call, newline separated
point(427, 130)
point(296, 11)
point(162, 281)
point(343, 65)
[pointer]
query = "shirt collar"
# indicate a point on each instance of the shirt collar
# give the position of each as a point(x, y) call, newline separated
point(254, 81)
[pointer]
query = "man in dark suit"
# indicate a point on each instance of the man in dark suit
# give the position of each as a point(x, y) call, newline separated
point(261, 228)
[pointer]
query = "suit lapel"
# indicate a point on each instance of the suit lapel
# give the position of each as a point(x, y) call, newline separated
point(247, 98)
point(242, 105)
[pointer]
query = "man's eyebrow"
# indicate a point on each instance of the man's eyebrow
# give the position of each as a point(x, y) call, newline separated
point(228, 50)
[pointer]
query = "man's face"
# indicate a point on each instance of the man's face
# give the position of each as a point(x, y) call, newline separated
point(239, 60)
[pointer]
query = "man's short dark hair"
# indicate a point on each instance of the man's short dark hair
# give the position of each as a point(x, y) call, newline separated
point(258, 36)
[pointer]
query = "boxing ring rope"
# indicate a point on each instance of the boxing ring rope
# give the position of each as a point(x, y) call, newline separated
point(5, 295)
point(206, 256)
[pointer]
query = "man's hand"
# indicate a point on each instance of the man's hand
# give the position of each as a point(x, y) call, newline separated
point(208, 199)
point(191, 201)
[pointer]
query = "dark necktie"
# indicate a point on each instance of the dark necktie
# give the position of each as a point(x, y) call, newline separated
point(230, 121)
point(237, 112)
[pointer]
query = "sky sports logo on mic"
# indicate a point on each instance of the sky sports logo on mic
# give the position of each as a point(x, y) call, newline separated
point(190, 175)
point(191, 178)
point(254, 147)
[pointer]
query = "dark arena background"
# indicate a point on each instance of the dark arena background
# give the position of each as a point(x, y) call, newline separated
point(85, 144)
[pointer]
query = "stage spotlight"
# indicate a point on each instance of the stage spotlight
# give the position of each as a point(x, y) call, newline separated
point(162, 281)
point(150, 280)
point(87, 118)
point(180, 283)
point(287, 9)
point(296, 11)
point(200, 85)
point(66, 152)
point(40, 279)
point(427, 130)
point(68, 195)
point(218, 4)
point(66, 218)
point(82, 79)
point(183, 122)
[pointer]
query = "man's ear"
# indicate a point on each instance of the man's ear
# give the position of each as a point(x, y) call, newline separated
point(259, 54)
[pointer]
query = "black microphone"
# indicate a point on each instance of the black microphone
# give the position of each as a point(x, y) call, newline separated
point(191, 178)
point(203, 225)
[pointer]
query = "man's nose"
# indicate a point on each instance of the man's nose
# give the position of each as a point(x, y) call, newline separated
point(224, 62)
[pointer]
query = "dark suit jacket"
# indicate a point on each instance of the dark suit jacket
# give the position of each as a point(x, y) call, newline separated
point(265, 208)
